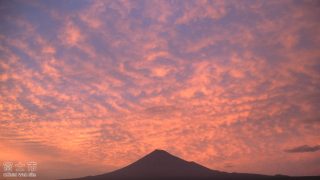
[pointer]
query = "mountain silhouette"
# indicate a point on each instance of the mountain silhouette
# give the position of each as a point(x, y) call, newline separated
point(161, 165)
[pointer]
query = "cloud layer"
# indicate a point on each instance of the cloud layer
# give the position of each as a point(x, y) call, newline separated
point(101, 83)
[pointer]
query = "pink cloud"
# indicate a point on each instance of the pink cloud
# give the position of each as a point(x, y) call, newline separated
point(113, 81)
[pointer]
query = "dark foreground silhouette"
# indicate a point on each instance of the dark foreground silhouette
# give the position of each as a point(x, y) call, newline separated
point(160, 165)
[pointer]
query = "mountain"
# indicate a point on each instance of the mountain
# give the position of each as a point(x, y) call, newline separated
point(161, 165)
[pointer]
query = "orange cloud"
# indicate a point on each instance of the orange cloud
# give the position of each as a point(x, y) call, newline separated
point(71, 34)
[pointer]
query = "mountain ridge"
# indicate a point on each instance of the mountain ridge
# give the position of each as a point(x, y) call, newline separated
point(161, 165)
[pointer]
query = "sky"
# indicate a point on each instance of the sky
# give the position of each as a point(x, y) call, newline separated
point(90, 86)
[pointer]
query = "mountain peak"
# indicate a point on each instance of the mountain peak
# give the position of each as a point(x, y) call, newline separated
point(159, 152)
point(159, 155)
point(159, 163)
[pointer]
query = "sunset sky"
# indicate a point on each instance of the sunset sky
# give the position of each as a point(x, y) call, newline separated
point(87, 87)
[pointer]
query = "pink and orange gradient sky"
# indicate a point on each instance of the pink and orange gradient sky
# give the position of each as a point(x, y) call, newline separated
point(90, 86)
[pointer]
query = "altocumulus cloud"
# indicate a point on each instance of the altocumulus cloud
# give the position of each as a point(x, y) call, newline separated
point(102, 83)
